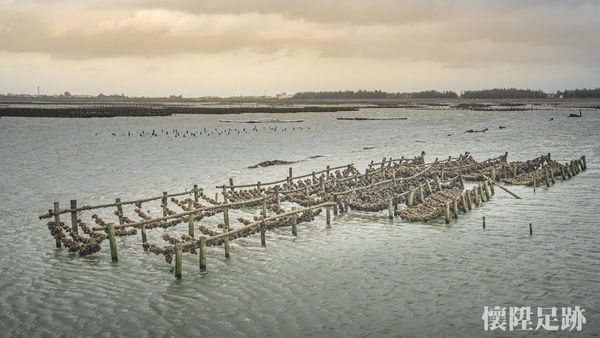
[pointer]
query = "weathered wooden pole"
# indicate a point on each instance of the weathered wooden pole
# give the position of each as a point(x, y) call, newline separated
point(328, 208)
point(294, 221)
point(314, 177)
point(178, 260)
point(504, 174)
point(263, 239)
point(552, 176)
point(429, 190)
point(327, 172)
point(391, 208)
point(491, 187)
point(74, 225)
point(534, 185)
point(446, 212)
point(119, 210)
point(547, 179)
point(112, 242)
point(562, 172)
point(226, 230)
point(290, 173)
point(514, 170)
point(196, 197)
point(57, 221)
point(231, 183)
point(421, 196)
point(191, 224)
point(258, 186)
point(322, 183)
point(396, 205)
point(202, 253)
point(306, 191)
point(394, 178)
point(264, 208)
point(584, 162)
point(530, 229)
point(463, 201)
point(411, 194)
point(462, 183)
point(442, 174)
point(335, 207)
point(455, 208)
point(484, 222)
point(144, 237)
point(438, 183)
point(217, 197)
point(164, 203)
point(568, 170)
point(469, 200)
point(493, 173)
point(486, 190)
point(277, 198)
point(477, 200)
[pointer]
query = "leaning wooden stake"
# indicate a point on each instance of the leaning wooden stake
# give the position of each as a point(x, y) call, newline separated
point(202, 253)
point(74, 225)
point(112, 242)
point(503, 188)
point(57, 220)
point(178, 260)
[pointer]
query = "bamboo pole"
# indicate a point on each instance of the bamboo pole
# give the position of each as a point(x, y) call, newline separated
point(112, 242)
point(74, 225)
point(202, 253)
point(57, 221)
point(178, 260)
point(503, 188)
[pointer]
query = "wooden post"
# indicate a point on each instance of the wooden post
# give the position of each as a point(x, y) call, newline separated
point(446, 212)
point(438, 183)
point(263, 240)
point(486, 190)
point(164, 203)
point(119, 210)
point(580, 161)
point(469, 200)
point(144, 238)
point(202, 253)
point(552, 176)
point(411, 194)
point(289, 182)
point(562, 172)
point(491, 187)
point(314, 178)
point(504, 175)
point(530, 229)
point(547, 179)
point(396, 198)
point(393, 177)
point(484, 222)
point(481, 192)
point(258, 186)
point(429, 190)
point(391, 208)
point(584, 162)
point(494, 174)
point(231, 183)
point(514, 170)
point(294, 221)
point(462, 183)
point(74, 225)
point(306, 192)
point(328, 208)
point(191, 224)
point(57, 221)
point(112, 242)
point(442, 174)
point(322, 183)
point(277, 198)
point(217, 197)
point(477, 200)
point(534, 185)
point(335, 207)
point(568, 170)
point(264, 208)
point(463, 200)
point(196, 193)
point(290, 173)
point(178, 260)
point(226, 230)
point(455, 208)
point(421, 196)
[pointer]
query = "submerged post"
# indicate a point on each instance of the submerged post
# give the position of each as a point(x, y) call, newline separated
point(446, 212)
point(191, 222)
point(328, 208)
point(391, 208)
point(530, 229)
point(335, 207)
point(74, 225)
point(277, 198)
point(112, 242)
point(547, 179)
point(469, 200)
point(202, 253)
point(484, 222)
point(264, 208)
point(231, 183)
point(57, 221)
point(455, 208)
point(178, 260)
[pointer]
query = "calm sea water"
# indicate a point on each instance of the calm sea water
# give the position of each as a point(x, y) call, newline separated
point(365, 275)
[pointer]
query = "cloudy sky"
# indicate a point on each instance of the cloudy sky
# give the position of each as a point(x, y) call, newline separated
point(244, 47)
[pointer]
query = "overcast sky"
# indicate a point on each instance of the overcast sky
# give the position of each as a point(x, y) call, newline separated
point(243, 47)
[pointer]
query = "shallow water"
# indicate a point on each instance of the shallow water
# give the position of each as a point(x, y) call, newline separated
point(365, 275)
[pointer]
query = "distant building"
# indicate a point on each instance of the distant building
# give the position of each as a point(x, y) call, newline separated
point(283, 96)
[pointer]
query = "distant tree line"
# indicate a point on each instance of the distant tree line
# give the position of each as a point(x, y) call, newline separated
point(374, 94)
point(496, 93)
point(580, 93)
